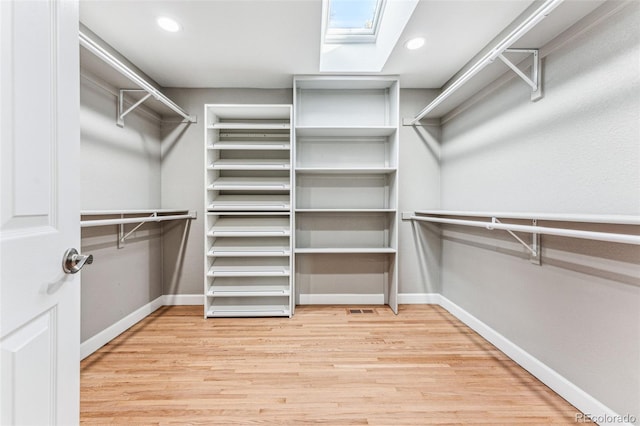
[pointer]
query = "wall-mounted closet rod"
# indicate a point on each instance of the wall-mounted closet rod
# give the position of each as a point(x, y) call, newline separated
point(122, 221)
point(107, 57)
point(563, 232)
point(494, 53)
point(614, 219)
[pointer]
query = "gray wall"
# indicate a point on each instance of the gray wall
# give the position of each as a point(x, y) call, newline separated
point(183, 180)
point(120, 170)
point(183, 187)
point(575, 151)
point(419, 171)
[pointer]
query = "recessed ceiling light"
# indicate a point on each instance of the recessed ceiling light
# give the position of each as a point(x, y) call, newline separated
point(168, 24)
point(414, 43)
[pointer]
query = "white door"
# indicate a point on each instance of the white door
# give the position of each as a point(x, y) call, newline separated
point(40, 207)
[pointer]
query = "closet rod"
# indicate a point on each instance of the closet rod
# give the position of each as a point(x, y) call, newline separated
point(613, 219)
point(494, 53)
point(122, 221)
point(563, 232)
point(107, 57)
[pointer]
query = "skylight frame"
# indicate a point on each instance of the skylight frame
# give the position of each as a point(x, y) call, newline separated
point(353, 35)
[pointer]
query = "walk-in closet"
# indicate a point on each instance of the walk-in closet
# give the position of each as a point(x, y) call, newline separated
point(323, 211)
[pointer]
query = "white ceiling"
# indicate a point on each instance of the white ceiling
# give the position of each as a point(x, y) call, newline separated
point(263, 43)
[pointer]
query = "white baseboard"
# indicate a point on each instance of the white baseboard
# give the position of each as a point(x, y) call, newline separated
point(419, 298)
point(94, 343)
point(584, 402)
point(341, 299)
point(183, 299)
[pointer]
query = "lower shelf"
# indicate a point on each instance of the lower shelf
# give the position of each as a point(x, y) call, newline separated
point(248, 271)
point(249, 311)
point(263, 251)
point(250, 202)
point(248, 290)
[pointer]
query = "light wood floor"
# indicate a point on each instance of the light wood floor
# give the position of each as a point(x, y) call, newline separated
point(324, 365)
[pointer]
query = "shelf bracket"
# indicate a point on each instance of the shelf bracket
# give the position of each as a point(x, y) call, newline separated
point(121, 112)
point(533, 249)
point(122, 237)
point(535, 80)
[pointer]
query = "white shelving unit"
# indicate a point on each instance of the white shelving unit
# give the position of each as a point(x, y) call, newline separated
point(346, 189)
point(248, 195)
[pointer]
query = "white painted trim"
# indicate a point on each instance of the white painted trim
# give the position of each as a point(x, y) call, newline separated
point(341, 299)
point(182, 299)
point(94, 343)
point(573, 394)
point(419, 298)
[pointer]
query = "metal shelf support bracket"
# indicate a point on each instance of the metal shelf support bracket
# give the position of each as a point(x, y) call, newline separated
point(535, 80)
point(122, 237)
point(533, 249)
point(121, 112)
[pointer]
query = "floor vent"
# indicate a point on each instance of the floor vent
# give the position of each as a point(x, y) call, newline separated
point(361, 311)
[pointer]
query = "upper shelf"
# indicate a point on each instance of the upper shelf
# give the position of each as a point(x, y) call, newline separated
point(558, 217)
point(544, 25)
point(249, 126)
point(143, 85)
point(137, 216)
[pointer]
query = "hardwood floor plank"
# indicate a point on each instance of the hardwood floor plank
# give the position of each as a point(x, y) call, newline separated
point(325, 365)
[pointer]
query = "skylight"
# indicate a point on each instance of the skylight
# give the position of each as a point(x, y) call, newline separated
point(359, 35)
point(353, 21)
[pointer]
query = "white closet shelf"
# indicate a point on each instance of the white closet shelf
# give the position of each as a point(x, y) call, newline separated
point(250, 184)
point(249, 231)
point(534, 229)
point(347, 131)
point(342, 250)
point(238, 203)
point(150, 215)
point(131, 211)
point(248, 271)
point(343, 210)
point(251, 145)
point(559, 217)
point(497, 52)
point(264, 251)
point(91, 45)
point(346, 170)
point(251, 164)
point(249, 126)
point(248, 290)
point(249, 311)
